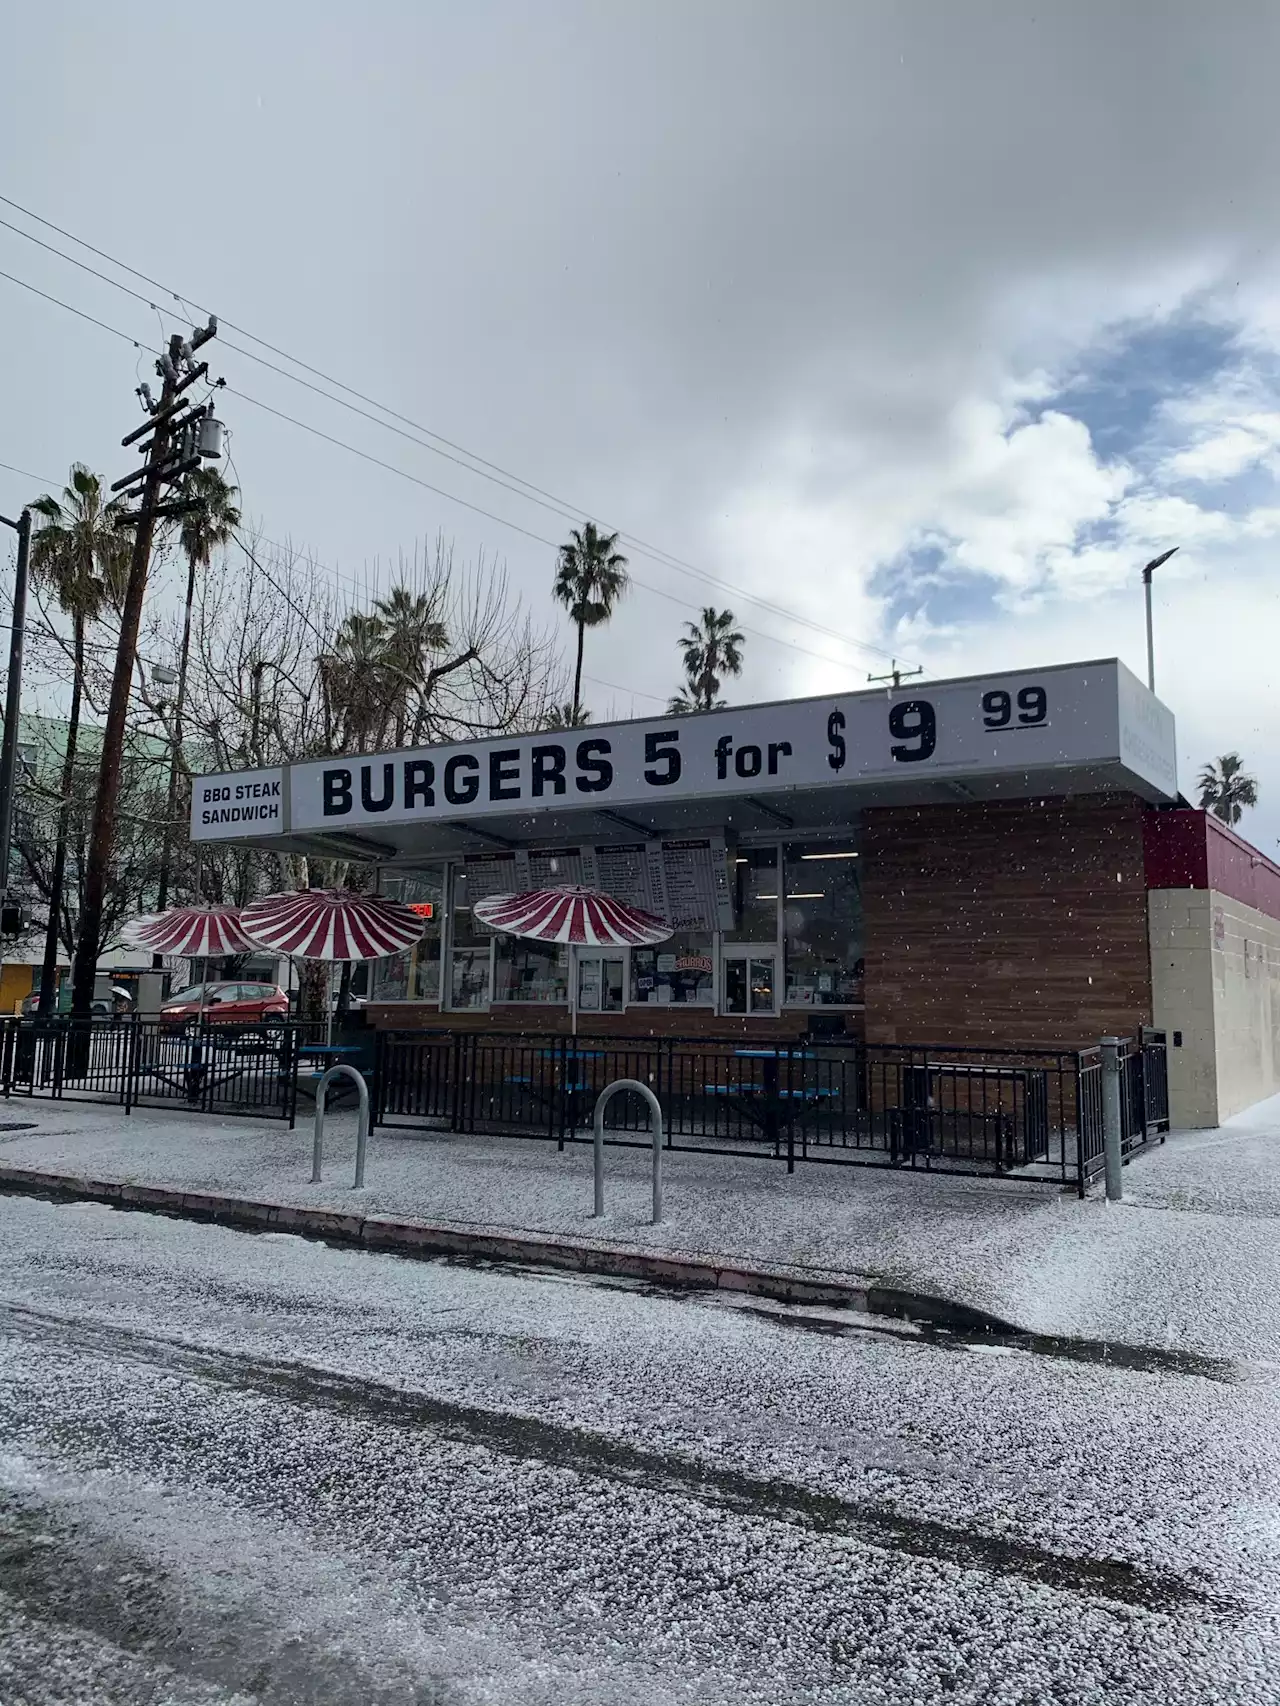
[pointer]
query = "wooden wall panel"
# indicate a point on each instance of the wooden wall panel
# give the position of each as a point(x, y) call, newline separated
point(1017, 922)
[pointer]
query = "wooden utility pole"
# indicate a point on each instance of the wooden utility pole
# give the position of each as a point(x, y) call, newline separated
point(896, 676)
point(171, 453)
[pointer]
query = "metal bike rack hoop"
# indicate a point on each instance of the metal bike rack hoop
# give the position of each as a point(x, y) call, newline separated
point(655, 1125)
point(362, 1121)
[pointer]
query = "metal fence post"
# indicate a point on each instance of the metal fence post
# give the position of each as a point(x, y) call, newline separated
point(1112, 1118)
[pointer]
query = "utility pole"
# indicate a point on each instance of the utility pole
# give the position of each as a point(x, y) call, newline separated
point(13, 700)
point(895, 676)
point(173, 451)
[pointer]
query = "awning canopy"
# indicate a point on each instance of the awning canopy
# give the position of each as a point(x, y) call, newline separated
point(809, 765)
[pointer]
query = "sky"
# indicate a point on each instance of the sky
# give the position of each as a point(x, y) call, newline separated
point(918, 328)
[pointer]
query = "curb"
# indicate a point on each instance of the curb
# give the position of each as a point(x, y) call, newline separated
point(418, 1239)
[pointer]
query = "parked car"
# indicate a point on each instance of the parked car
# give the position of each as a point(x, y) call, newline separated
point(227, 1004)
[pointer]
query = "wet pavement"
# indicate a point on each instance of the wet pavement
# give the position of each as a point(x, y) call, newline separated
point(239, 1469)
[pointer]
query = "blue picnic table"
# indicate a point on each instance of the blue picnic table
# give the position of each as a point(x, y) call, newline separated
point(769, 1104)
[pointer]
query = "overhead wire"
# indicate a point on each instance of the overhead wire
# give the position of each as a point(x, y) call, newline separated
point(416, 479)
point(473, 463)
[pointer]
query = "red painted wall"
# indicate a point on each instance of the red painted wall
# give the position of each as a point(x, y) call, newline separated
point(1191, 849)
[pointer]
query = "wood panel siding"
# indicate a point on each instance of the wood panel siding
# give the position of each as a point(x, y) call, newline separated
point(1017, 922)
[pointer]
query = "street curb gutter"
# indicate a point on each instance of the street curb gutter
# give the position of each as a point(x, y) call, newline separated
point(417, 1239)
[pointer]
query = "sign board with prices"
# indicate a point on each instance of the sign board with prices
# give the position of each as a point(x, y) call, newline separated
point(1086, 716)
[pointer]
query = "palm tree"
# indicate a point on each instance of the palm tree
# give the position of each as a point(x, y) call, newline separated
point(204, 530)
point(712, 647)
point(414, 634)
point(1225, 790)
point(566, 717)
point(353, 682)
point(81, 556)
point(591, 576)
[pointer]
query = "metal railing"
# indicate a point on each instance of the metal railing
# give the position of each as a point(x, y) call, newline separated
point(132, 1061)
point(1034, 1113)
point(1144, 1101)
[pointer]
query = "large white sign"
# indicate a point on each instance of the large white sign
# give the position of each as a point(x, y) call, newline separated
point(1076, 715)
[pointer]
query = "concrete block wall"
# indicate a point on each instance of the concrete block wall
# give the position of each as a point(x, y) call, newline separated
point(1214, 931)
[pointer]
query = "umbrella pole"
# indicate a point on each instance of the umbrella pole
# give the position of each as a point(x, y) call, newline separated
point(573, 988)
point(328, 1007)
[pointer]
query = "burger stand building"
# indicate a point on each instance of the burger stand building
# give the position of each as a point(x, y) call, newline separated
point(999, 860)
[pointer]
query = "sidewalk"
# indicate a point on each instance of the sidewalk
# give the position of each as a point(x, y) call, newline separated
point(1190, 1260)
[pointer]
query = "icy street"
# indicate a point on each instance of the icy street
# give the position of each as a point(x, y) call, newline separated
point(240, 1468)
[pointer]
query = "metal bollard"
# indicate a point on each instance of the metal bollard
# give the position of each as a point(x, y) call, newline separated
point(362, 1122)
point(655, 1125)
point(1112, 1119)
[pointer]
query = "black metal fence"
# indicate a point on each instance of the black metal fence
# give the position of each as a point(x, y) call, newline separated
point(1030, 1113)
point(1144, 1101)
point(132, 1062)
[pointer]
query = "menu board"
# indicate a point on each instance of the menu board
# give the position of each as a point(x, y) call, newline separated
point(550, 867)
point(696, 882)
point(489, 874)
point(620, 872)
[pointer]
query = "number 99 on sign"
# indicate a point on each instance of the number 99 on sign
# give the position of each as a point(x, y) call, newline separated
point(998, 707)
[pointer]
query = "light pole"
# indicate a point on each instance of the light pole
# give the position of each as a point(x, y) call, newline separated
point(1147, 573)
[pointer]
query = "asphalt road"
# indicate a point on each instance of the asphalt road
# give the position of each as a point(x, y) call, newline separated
point(249, 1469)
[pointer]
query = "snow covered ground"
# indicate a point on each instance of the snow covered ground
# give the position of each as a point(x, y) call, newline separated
point(243, 1469)
point(1191, 1258)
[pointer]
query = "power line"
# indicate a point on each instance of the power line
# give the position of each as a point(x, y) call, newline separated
point(26, 474)
point(439, 491)
point(473, 463)
point(78, 312)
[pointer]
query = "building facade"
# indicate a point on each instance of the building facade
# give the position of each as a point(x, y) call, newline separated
point(995, 860)
point(970, 861)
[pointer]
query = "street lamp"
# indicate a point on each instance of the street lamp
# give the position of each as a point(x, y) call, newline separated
point(1147, 573)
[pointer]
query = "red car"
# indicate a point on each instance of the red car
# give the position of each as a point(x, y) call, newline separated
point(227, 1004)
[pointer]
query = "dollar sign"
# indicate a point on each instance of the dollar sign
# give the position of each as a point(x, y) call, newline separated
point(835, 722)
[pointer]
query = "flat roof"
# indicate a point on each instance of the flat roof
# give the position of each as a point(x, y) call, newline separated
point(800, 764)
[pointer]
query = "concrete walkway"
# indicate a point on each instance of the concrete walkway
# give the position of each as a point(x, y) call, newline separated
point(1190, 1260)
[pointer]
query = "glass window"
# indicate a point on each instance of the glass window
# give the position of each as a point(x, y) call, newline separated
point(469, 983)
point(469, 973)
point(755, 897)
point(822, 925)
point(531, 971)
point(600, 983)
point(749, 983)
point(675, 973)
point(415, 975)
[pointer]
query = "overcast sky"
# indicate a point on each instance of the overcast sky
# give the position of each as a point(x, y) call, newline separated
point(928, 322)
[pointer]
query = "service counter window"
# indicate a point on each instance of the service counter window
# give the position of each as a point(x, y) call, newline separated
point(530, 971)
point(822, 926)
point(415, 975)
point(677, 973)
point(601, 982)
point(469, 984)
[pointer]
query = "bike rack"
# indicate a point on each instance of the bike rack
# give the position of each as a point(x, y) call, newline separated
point(655, 1125)
point(362, 1122)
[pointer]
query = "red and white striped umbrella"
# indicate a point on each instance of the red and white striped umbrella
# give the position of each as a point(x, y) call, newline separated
point(190, 932)
point(330, 924)
point(575, 915)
